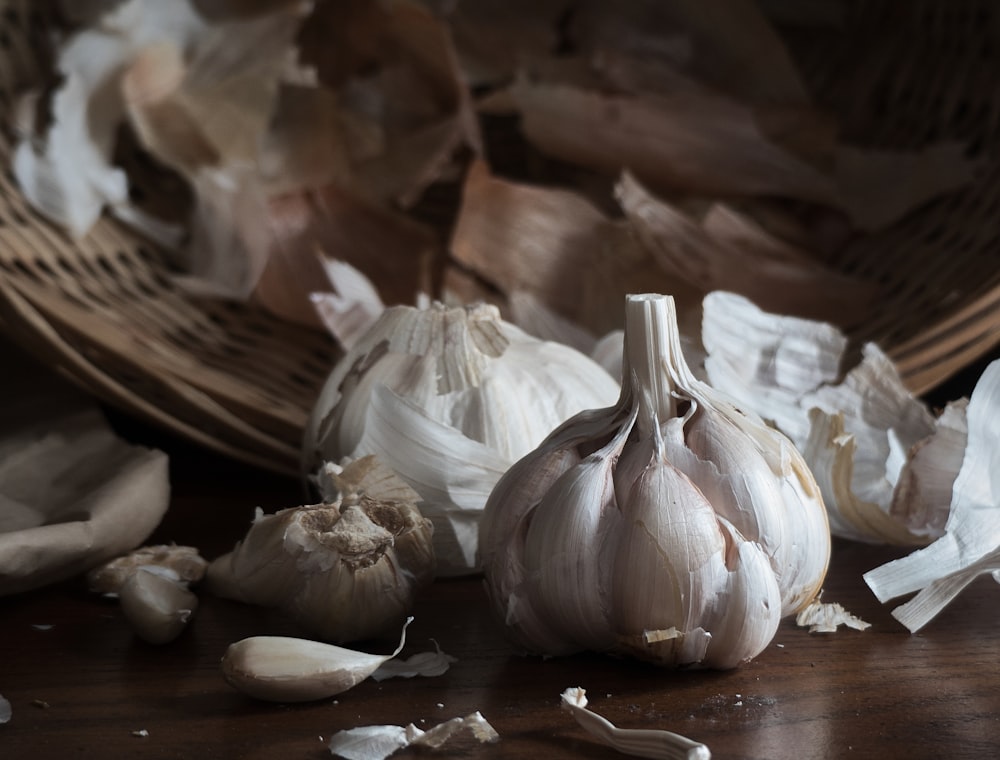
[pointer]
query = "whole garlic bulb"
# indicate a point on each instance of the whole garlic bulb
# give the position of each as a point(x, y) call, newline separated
point(345, 570)
point(449, 398)
point(672, 527)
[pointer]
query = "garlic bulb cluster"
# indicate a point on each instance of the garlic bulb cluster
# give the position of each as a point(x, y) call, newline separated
point(346, 569)
point(449, 398)
point(672, 527)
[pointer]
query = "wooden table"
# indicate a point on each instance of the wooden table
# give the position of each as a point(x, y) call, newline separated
point(81, 686)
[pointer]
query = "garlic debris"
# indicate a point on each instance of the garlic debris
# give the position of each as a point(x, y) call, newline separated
point(884, 463)
point(287, 669)
point(346, 569)
point(182, 564)
point(970, 546)
point(672, 527)
point(641, 742)
point(449, 398)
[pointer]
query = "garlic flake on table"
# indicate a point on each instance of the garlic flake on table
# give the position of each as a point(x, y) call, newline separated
point(449, 398)
point(672, 527)
point(346, 569)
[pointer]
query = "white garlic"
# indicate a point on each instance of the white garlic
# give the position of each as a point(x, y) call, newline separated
point(157, 607)
point(672, 527)
point(449, 398)
point(344, 570)
point(287, 669)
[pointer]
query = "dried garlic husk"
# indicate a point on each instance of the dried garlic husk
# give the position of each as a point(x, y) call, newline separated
point(346, 569)
point(672, 527)
point(884, 463)
point(970, 545)
point(182, 564)
point(449, 398)
point(640, 742)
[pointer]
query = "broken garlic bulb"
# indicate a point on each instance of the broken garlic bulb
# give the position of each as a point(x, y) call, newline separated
point(449, 398)
point(345, 570)
point(672, 527)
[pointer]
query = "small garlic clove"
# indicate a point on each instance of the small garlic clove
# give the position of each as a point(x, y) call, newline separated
point(157, 607)
point(346, 570)
point(287, 669)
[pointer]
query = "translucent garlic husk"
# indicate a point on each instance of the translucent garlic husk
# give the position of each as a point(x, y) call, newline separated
point(346, 569)
point(672, 526)
point(449, 398)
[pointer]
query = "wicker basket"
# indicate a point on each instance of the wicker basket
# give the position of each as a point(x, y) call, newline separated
point(105, 312)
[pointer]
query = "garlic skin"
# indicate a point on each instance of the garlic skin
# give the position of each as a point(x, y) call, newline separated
point(182, 564)
point(672, 527)
point(344, 570)
point(449, 398)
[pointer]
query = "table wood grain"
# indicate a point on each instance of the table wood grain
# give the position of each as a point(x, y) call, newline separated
point(81, 686)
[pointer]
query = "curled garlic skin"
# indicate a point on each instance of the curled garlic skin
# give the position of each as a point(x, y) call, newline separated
point(346, 570)
point(672, 527)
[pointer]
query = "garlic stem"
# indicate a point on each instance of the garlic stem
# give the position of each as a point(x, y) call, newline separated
point(649, 321)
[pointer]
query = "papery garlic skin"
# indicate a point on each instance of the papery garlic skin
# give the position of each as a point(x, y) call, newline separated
point(672, 527)
point(884, 463)
point(449, 398)
point(346, 570)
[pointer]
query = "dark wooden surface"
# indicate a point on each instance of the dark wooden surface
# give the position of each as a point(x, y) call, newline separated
point(80, 684)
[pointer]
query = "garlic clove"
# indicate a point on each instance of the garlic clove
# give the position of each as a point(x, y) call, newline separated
point(346, 570)
point(577, 510)
point(158, 608)
point(286, 669)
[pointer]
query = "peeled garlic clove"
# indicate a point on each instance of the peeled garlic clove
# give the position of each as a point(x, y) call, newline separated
point(286, 669)
point(157, 608)
point(346, 570)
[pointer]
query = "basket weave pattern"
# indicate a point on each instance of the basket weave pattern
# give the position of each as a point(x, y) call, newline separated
point(105, 311)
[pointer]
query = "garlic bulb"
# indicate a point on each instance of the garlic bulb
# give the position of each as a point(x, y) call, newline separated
point(449, 398)
point(673, 526)
point(347, 569)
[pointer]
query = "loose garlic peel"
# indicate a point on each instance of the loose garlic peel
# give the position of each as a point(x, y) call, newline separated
point(672, 527)
point(287, 669)
point(652, 743)
point(345, 570)
point(449, 398)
